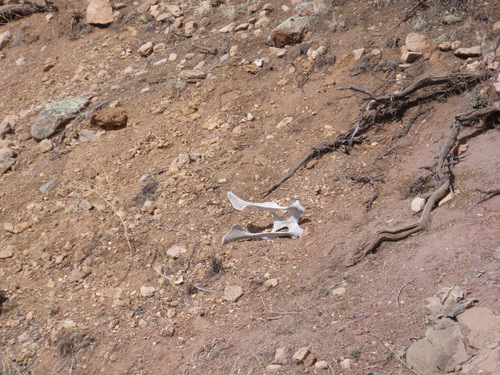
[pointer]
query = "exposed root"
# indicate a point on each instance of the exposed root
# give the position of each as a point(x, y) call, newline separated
point(380, 109)
point(443, 173)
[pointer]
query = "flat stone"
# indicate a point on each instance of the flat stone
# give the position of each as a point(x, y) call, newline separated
point(480, 326)
point(76, 274)
point(271, 283)
point(345, 364)
point(5, 153)
point(291, 31)
point(148, 291)
point(175, 251)
point(409, 57)
point(5, 39)
point(48, 186)
point(99, 12)
point(45, 145)
point(301, 354)
point(416, 42)
point(284, 122)
point(280, 357)
point(232, 293)
point(496, 253)
point(5, 128)
point(7, 253)
point(143, 8)
point(192, 74)
point(445, 46)
point(146, 49)
point(109, 118)
point(422, 357)
point(448, 343)
point(273, 368)
point(56, 115)
point(200, 323)
point(321, 365)
point(338, 292)
point(358, 54)
point(468, 52)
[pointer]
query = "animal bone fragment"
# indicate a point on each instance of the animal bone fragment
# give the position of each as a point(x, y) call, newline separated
point(294, 212)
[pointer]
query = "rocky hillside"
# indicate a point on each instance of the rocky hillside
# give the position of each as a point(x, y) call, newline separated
point(124, 126)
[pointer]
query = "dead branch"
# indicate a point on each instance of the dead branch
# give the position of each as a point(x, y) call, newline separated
point(10, 12)
point(487, 195)
point(443, 173)
point(372, 180)
point(381, 109)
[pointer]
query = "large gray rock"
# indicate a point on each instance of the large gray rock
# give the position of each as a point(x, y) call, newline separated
point(56, 115)
point(291, 31)
point(442, 349)
point(99, 12)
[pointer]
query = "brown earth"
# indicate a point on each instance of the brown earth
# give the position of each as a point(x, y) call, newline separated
point(77, 258)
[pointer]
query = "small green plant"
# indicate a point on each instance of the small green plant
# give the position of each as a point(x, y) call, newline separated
point(478, 102)
point(355, 353)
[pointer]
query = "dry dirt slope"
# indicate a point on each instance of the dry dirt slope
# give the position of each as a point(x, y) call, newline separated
point(90, 283)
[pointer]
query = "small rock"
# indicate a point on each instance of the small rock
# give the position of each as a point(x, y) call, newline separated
point(85, 205)
point(148, 291)
point(417, 204)
point(162, 17)
point(175, 251)
point(311, 164)
point(146, 49)
point(167, 331)
point(496, 253)
point(321, 365)
point(409, 57)
point(146, 5)
point(172, 57)
point(474, 66)
point(416, 42)
point(301, 354)
point(445, 46)
point(45, 145)
point(462, 149)
point(5, 153)
point(5, 128)
point(46, 187)
point(109, 118)
point(358, 54)
point(192, 74)
point(4, 39)
point(232, 293)
point(242, 27)
point(99, 12)
point(228, 28)
point(280, 356)
point(468, 52)
point(190, 27)
point(273, 368)
point(338, 292)
point(76, 274)
point(284, 122)
point(271, 283)
point(345, 364)
point(7, 253)
point(159, 47)
point(291, 31)
point(309, 360)
point(56, 115)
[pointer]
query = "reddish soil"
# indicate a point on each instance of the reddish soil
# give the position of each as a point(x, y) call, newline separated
point(73, 285)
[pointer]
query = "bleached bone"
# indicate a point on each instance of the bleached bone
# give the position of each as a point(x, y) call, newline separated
point(294, 211)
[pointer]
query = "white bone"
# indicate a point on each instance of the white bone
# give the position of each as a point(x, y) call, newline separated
point(294, 211)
